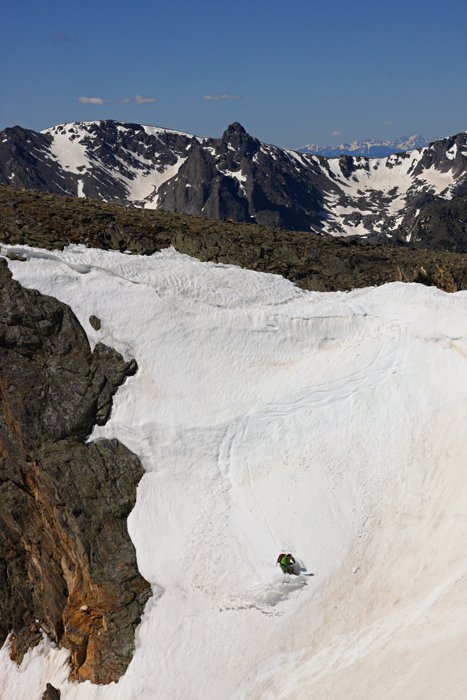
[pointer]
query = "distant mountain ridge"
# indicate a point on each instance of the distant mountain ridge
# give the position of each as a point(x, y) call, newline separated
point(240, 178)
point(372, 148)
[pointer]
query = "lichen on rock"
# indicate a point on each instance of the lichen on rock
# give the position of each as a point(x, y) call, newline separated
point(67, 564)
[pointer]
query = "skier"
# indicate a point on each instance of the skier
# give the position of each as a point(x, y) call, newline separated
point(287, 563)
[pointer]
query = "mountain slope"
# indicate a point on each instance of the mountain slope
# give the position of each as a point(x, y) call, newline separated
point(237, 177)
point(103, 160)
point(267, 417)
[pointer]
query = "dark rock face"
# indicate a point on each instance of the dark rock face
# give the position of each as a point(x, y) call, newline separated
point(25, 162)
point(67, 565)
point(443, 224)
point(237, 177)
point(51, 693)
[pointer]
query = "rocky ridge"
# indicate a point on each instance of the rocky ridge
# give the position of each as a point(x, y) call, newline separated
point(67, 564)
point(321, 263)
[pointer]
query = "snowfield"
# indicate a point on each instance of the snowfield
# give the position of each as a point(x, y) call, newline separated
point(268, 418)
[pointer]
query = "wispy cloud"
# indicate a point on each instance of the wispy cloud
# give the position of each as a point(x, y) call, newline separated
point(62, 38)
point(388, 122)
point(140, 100)
point(92, 100)
point(335, 132)
point(207, 98)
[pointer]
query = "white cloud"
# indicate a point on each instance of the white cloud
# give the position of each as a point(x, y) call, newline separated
point(336, 133)
point(140, 100)
point(125, 101)
point(91, 100)
point(221, 97)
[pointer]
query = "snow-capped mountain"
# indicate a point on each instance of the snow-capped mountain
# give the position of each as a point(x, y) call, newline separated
point(124, 163)
point(370, 149)
point(238, 177)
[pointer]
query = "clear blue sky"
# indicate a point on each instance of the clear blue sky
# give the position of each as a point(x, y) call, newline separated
point(290, 72)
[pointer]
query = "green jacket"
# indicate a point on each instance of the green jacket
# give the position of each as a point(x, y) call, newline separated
point(286, 561)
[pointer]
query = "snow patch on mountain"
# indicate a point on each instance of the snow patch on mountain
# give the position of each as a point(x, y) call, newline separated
point(71, 153)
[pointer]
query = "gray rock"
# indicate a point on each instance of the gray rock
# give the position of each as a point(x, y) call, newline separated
point(95, 322)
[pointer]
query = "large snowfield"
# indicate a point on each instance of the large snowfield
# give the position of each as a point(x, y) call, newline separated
point(270, 419)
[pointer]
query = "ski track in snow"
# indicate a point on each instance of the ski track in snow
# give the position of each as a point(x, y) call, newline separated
point(270, 418)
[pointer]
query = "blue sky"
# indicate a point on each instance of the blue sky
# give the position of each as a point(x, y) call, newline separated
point(290, 72)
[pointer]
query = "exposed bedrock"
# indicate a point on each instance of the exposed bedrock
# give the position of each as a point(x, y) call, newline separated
point(67, 564)
point(51, 693)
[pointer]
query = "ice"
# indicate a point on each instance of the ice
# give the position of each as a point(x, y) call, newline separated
point(270, 418)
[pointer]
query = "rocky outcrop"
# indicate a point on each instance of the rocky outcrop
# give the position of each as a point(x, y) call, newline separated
point(51, 693)
point(67, 565)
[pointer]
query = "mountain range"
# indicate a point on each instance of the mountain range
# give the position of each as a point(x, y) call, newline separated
point(238, 177)
point(370, 148)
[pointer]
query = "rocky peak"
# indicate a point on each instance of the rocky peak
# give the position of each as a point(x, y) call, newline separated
point(234, 128)
point(240, 140)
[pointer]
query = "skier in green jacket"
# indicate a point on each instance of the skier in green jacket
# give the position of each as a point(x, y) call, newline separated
point(287, 563)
